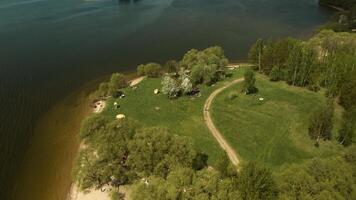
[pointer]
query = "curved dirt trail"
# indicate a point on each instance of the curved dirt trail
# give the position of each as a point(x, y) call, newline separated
point(209, 123)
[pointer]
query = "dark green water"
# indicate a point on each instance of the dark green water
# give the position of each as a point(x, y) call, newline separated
point(49, 48)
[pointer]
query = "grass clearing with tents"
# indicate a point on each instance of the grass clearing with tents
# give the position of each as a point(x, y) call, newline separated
point(271, 126)
point(182, 116)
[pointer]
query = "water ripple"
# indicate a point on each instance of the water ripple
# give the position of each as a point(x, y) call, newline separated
point(9, 5)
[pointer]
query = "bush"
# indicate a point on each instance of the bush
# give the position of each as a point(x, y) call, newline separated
point(314, 88)
point(233, 95)
point(116, 195)
point(151, 70)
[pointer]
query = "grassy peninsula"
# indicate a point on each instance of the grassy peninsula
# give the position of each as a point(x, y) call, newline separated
point(289, 117)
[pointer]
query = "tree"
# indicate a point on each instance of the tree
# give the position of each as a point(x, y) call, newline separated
point(104, 159)
point(170, 87)
point(347, 131)
point(209, 56)
point(295, 183)
point(276, 74)
point(186, 84)
point(223, 165)
point(155, 151)
point(103, 90)
point(141, 70)
point(255, 182)
point(248, 86)
point(207, 66)
point(172, 66)
point(259, 47)
point(152, 70)
point(348, 90)
point(330, 178)
point(321, 124)
point(294, 63)
point(91, 125)
point(207, 74)
point(117, 81)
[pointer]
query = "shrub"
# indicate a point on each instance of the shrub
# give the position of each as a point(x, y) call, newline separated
point(233, 95)
point(314, 88)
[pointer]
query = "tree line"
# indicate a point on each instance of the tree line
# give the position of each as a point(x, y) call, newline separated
point(182, 77)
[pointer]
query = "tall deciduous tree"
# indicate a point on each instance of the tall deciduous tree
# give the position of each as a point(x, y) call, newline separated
point(347, 132)
point(248, 86)
point(321, 124)
point(259, 48)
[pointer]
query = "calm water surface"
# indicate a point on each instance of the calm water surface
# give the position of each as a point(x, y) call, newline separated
point(48, 48)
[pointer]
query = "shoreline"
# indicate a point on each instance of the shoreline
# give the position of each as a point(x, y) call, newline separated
point(74, 193)
point(50, 155)
point(54, 146)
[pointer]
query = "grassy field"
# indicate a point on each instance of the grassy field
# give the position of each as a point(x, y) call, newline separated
point(182, 116)
point(273, 131)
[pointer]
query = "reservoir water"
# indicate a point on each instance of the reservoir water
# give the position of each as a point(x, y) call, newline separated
point(49, 48)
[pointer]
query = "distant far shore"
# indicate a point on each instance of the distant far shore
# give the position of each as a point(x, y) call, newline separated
point(332, 7)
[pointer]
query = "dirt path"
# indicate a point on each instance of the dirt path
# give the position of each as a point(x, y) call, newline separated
point(209, 123)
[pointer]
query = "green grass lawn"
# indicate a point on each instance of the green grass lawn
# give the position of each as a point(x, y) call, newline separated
point(273, 131)
point(182, 116)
